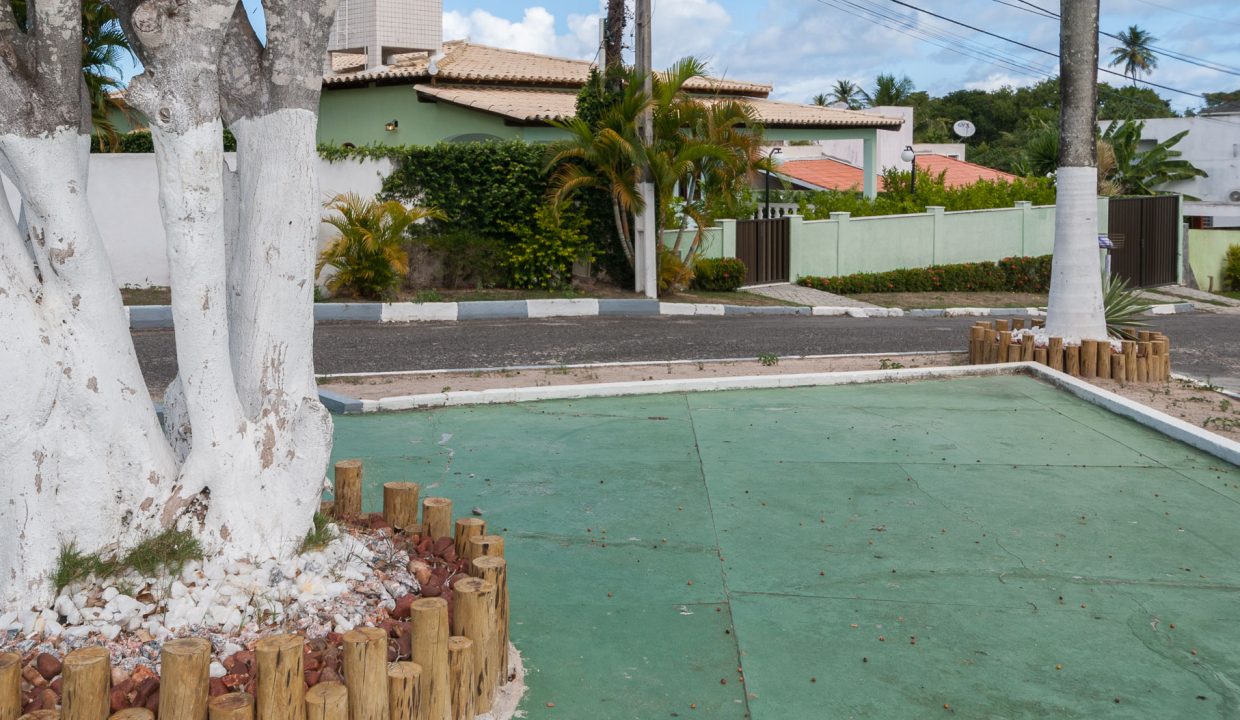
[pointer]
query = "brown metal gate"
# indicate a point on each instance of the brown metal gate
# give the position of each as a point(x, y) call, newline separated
point(1145, 231)
point(764, 247)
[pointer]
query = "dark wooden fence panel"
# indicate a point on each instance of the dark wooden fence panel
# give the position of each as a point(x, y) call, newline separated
point(1146, 232)
point(765, 248)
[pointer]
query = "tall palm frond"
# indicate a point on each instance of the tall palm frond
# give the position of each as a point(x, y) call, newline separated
point(1135, 52)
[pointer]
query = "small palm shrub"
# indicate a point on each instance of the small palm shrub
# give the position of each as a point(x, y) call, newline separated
point(674, 273)
point(718, 274)
point(1122, 307)
point(1231, 268)
point(369, 253)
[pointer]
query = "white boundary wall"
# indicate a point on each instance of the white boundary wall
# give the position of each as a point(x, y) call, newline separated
point(124, 194)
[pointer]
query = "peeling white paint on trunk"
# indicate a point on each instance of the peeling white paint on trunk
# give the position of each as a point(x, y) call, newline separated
point(1074, 309)
point(82, 450)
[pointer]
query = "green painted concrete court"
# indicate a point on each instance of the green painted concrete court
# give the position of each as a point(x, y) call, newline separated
point(980, 548)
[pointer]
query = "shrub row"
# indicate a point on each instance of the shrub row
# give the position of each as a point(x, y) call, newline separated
point(1015, 274)
point(1231, 268)
point(718, 274)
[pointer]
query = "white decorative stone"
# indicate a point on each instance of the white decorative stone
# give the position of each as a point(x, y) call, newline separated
point(217, 670)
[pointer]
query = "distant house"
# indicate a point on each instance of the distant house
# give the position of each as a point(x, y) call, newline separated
point(832, 174)
point(1213, 145)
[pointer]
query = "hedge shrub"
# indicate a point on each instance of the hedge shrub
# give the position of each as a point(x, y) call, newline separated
point(1231, 268)
point(139, 141)
point(718, 274)
point(1015, 274)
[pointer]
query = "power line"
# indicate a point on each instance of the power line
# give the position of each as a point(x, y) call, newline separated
point(1040, 50)
point(1185, 12)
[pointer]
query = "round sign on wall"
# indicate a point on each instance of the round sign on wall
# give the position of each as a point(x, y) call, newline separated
point(964, 128)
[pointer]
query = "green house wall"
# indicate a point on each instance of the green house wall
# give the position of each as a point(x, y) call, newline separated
point(358, 116)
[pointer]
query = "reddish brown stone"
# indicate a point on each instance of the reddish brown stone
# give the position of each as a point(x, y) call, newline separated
point(403, 603)
point(145, 689)
point(217, 688)
point(120, 700)
point(47, 665)
point(329, 674)
point(152, 703)
point(32, 676)
point(235, 681)
point(311, 677)
point(48, 698)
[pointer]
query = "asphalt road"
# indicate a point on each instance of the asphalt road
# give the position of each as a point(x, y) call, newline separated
point(1204, 345)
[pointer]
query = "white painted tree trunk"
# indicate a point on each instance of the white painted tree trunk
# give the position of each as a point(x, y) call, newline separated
point(271, 323)
point(1074, 310)
point(80, 445)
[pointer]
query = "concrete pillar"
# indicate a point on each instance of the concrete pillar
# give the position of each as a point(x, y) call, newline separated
point(727, 229)
point(1025, 207)
point(841, 237)
point(796, 247)
point(869, 166)
point(938, 231)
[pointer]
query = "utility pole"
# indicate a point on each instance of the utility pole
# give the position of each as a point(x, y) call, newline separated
point(613, 40)
point(1074, 309)
point(645, 253)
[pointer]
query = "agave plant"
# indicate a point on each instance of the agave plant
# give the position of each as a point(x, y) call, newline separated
point(369, 255)
point(1123, 307)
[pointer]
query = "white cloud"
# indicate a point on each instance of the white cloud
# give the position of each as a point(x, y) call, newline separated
point(688, 27)
point(997, 80)
point(534, 32)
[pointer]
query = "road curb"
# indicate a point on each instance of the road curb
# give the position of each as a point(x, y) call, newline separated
point(146, 317)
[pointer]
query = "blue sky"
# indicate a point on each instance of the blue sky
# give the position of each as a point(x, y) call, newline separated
point(803, 46)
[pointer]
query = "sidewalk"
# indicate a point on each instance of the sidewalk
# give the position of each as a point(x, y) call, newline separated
point(806, 296)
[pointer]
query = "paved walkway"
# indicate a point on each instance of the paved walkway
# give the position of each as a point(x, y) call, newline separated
point(975, 548)
point(806, 296)
point(1201, 300)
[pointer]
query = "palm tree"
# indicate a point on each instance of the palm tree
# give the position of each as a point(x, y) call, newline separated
point(888, 90)
point(369, 254)
point(821, 99)
point(1134, 52)
point(1075, 306)
point(104, 45)
point(1142, 172)
point(850, 93)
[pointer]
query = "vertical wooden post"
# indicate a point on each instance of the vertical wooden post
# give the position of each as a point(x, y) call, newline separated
point(41, 715)
point(280, 690)
point(1039, 356)
point(133, 714)
point(1143, 369)
point(1001, 325)
point(1144, 335)
point(348, 497)
point(988, 346)
point(1130, 361)
point(184, 679)
point(1026, 349)
point(1013, 353)
point(429, 625)
point(485, 546)
point(400, 505)
point(365, 673)
point(1118, 371)
point(1054, 353)
point(474, 616)
point(436, 518)
point(10, 686)
point(403, 681)
point(977, 336)
point(461, 674)
point(466, 528)
point(1018, 323)
point(87, 690)
point(1089, 359)
point(1145, 350)
point(1072, 363)
point(327, 701)
point(231, 706)
point(495, 571)
point(1104, 359)
point(1005, 341)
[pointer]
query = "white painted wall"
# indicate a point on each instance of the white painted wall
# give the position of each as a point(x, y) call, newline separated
point(887, 149)
point(123, 190)
point(1212, 144)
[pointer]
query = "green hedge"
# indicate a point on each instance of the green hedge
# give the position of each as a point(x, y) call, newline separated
point(139, 141)
point(1015, 274)
point(718, 274)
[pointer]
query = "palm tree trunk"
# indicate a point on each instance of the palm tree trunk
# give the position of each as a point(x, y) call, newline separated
point(622, 229)
point(1075, 307)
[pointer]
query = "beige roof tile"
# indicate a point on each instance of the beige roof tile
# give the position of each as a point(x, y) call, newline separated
point(523, 105)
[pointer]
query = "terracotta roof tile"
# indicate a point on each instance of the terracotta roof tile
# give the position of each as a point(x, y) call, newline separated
point(470, 63)
point(837, 175)
point(528, 105)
